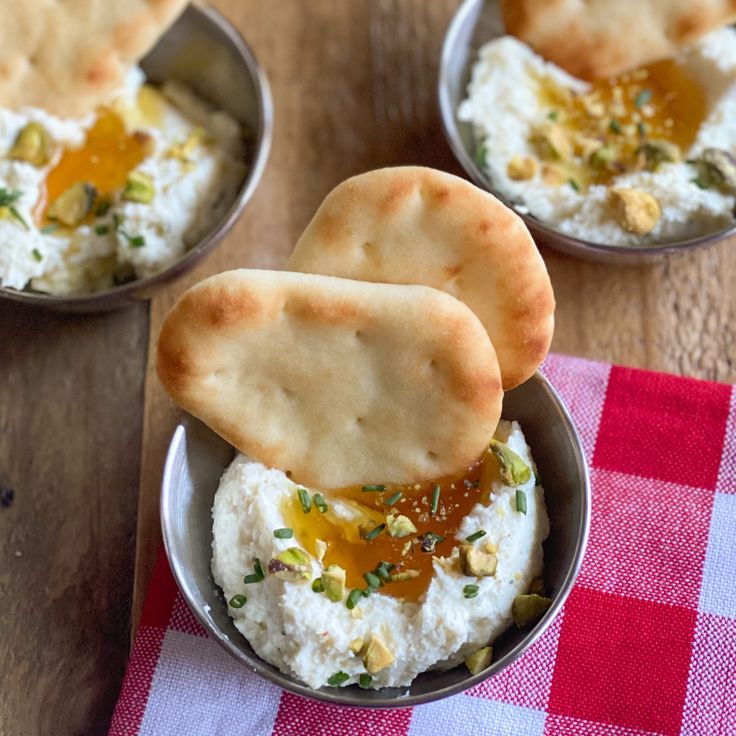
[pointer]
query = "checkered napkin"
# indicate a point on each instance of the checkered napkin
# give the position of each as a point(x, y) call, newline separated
point(646, 643)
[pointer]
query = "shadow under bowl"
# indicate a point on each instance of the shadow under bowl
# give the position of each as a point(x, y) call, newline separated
point(197, 457)
point(475, 23)
point(230, 80)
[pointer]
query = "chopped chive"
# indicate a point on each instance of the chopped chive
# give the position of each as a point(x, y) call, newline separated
point(8, 196)
point(284, 533)
point(573, 183)
point(19, 217)
point(248, 579)
point(365, 681)
point(383, 573)
point(470, 591)
point(475, 535)
point(553, 115)
point(319, 502)
point(353, 597)
point(102, 230)
point(537, 480)
point(520, 501)
point(49, 228)
point(643, 97)
point(391, 500)
point(435, 499)
point(237, 601)
point(366, 591)
point(304, 500)
point(373, 488)
point(317, 586)
point(136, 241)
point(641, 128)
point(699, 183)
point(338, 679)
point(481, 156)
point(615, 126)
point(37, 254)
point(258, 568)
point(373, 533)
point(257, 576)
point(102, 207)
point(372, 579)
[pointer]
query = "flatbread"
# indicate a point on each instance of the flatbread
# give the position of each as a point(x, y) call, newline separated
point(414, 225)
point(601, 38)
point(337, 381)
point(66, 57)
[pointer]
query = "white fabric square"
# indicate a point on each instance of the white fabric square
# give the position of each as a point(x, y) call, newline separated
point(199, 689)
point(716, 592)
point(463, 715)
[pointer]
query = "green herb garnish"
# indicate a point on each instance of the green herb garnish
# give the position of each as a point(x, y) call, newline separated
point(470, 591)
point(365, 681)
point(353, 597)
point(475, 535)
point(53, 227)
point(391, 500)
point(481, 155)
point(135, 241)
point(338, 679)
point(434, 505)
point(553, 115)
point(237, 601)
point(368, 489)
point(284, 533)
point(319, 502)
point(102, 207)
point(258, 568)
point(304, 500)
point(37, 254)
point(520, 501)
point(102, 229)
point(373, 533)
point(642, 98)
point(317, 586)
point(9, 196)
point(615, 127)
point(641, 127)
point(372, 579)
point(257, 576)
point(573, 183)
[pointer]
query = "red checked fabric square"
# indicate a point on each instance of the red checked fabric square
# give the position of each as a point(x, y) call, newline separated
point(664, 427)
point(647, 538)
point(623, 661)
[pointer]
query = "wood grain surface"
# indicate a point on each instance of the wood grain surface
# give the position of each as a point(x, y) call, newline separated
point(354, 88)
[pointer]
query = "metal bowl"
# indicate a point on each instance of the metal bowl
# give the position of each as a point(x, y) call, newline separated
point(197, 458)
point(232, 81)
point(475, 23)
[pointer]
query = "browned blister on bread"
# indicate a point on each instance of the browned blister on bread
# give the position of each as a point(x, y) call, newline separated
point(67, 56)
point(337, 381)
point(414, 225)
point(604, 38)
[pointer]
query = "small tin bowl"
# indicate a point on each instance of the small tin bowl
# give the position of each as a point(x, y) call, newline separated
point(475, 23)
point(232, 81)
point(197, 457)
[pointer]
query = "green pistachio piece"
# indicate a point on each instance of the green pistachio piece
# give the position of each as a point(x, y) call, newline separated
point(601, 157)
point(514, 471)
point(552, 142)
point(526, 609)
point(32, 144)
point(399, 526)
point(476, 562)
point(138, 188)
point(716, 169)
point(356, 646)
point(333, 582)
point(656, 152)
point(478, 661)
point(73, 204)
point(377, 655)
point(293, 565)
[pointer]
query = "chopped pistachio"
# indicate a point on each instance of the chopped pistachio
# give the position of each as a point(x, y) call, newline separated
point(476, 562)
point(317, 586)
point(716, 170)
point(353, 597)
point(478, 661)
point(514, 471)
point(293, 565)
point(356, 646)
point(526, 609)
point(138, 188)
point(333, 582)
point(377, 655)
point(400, 577)
point(520, 168)
point(32, 144)
point(602, 157)
point(656, 152)
point(552, 141)
point(320, 547)
point(635, 210)
point(399, 526)
point(429, 541)
point(73, 204)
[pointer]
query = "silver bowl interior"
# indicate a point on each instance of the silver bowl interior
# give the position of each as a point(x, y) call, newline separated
point(475, 23)
point(204, 51)
point(197, 458)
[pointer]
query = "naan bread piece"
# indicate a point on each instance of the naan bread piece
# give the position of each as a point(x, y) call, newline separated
point(412, 225)
point(337, 381)
point(603, 38)
point(67, 56)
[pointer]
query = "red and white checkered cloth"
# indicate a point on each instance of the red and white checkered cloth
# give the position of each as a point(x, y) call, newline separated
point(646, 643)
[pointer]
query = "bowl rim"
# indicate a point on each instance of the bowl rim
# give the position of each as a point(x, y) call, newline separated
point(261, 149)
point(332, 695)
point(547, 235)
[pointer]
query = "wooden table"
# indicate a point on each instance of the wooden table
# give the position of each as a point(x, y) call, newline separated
point(354, 89)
